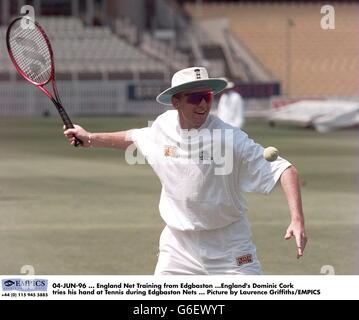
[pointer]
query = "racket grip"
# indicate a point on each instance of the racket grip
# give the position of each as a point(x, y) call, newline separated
point(69, 125)
point(67, 122)
point(78, 142)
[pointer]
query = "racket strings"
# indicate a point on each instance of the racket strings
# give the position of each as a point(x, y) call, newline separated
point(31, 52)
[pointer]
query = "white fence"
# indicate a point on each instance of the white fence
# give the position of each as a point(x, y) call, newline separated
point(19, 98)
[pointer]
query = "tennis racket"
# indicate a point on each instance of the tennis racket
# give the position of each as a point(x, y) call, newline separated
point(31, 53)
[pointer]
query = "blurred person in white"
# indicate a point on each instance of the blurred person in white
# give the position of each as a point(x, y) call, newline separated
point(230, 106)
point(203, 194)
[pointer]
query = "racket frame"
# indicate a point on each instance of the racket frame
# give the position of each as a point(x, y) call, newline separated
point(56, 100)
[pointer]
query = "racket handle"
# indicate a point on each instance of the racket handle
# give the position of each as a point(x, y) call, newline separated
point(67, 122)
point(78, 142)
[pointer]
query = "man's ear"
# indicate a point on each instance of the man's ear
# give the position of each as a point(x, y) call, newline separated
point(175, 102)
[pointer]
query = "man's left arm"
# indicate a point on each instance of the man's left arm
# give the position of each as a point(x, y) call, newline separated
point(290, 185)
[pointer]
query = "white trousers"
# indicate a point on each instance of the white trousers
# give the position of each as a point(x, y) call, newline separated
point(209, 252)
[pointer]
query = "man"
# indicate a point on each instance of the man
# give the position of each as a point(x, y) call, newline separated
point(230, 106)
point(202, 199)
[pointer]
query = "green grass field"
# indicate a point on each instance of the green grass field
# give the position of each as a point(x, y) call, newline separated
point(75, 211)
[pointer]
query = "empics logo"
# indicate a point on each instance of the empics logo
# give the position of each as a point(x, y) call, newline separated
point(24, 284)
point(8, 283)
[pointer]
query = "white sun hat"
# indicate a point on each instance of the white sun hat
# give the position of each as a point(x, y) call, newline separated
point(191, 78)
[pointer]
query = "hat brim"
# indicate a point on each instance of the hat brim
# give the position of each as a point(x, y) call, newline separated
point(216, 85)
point(230, 85)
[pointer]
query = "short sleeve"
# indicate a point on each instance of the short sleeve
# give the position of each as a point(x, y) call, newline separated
point(143, 141)
point(255, 173)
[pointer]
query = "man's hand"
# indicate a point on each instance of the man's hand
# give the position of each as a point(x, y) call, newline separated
point(79, 133)
point(290, 185)
point(296, 229)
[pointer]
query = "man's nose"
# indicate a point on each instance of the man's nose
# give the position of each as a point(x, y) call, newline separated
point(203, 102)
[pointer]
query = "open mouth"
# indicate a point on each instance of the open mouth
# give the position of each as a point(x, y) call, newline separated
point(200, 112)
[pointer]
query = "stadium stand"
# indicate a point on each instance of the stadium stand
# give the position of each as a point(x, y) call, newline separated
point(266, 48)
point(90, 52)
point(164, 51)
point(219, 46)
point(288, 40)
point(168, 54)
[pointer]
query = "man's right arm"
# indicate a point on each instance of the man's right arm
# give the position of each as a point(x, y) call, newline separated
point(119, 140)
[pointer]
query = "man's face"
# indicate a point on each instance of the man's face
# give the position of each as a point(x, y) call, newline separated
point(193, 107)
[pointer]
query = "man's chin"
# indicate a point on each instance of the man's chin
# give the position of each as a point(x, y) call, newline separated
point(200, 119)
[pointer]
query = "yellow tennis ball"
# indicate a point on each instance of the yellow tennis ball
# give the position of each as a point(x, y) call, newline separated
point(270, 154)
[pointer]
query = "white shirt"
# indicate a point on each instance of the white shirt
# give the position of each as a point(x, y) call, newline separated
point(230, 109)
point(194, 196)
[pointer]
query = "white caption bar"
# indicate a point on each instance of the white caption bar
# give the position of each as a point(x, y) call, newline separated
point(179, 287)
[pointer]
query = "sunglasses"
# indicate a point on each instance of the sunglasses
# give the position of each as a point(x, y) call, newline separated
point(196, 97)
